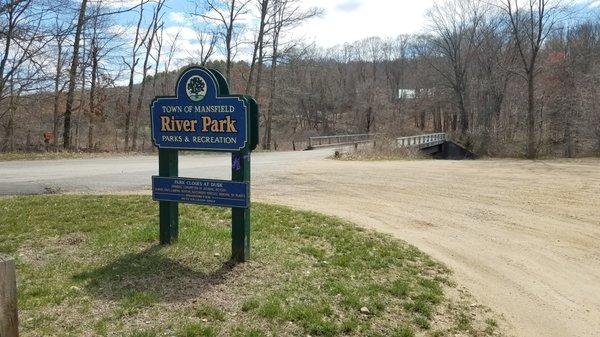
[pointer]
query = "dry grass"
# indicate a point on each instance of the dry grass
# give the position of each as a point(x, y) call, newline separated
point(12, 156)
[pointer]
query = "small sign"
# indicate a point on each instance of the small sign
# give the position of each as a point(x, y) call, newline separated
point(48, 136)
point(198, 118)
point(210, 192)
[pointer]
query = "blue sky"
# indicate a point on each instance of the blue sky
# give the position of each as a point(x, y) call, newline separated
point(347, 20)
point(343, 20)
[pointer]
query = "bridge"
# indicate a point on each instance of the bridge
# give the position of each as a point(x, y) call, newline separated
point(422, 141)
point(340, 140)
point(438, 145)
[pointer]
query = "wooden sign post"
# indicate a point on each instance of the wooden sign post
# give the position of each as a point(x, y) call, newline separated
point(9, 322)
point(204, 116)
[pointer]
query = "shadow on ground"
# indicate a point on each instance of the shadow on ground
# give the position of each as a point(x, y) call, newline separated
point(153, 273)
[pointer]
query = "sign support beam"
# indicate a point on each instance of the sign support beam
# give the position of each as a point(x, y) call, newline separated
point(240, 217)
point(168, 166)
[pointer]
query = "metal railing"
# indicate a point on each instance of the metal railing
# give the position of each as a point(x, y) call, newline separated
point(324, 141)
point(421, 141)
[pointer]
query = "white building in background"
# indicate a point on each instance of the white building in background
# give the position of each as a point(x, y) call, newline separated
point(412, 93)
point(407, 94)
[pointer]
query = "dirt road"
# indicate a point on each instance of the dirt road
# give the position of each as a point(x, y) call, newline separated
point(522, 236)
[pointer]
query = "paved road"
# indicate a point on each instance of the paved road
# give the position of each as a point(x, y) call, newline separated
point(123, 174)
point(522, 236)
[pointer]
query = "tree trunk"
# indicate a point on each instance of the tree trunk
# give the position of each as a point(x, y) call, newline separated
point(269, 117)
point(10, 128)
point(134, 60)
point(28, 141)
point(259, 70)
point(531, 147)
point(258, 45)
point(10, 134)
point(77, 134)
point(437, 120)
point(72, 76)
point(568, 140)
point(91, 113)
point(228, 38)
point(55, 117)
point(81, 110)
point(464, 115)
point(138, 107)
point(454, 121)
point(136, 117)
point(487, 118)
point(159, 41)
point(369, 119)
point(128, 111)
point(154, 26)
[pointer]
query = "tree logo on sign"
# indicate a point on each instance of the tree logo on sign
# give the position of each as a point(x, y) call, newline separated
point(195, 88)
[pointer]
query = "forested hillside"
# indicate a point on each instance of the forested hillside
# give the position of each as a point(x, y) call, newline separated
point(505, 78)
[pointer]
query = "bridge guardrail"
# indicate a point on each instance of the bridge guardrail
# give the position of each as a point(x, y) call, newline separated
point(337, 140)
point(422, 141)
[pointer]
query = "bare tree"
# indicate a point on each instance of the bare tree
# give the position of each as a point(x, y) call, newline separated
point(81, 20)
point(19, 84)
point(156, 58)
point(396, 53)
point(169, 61)
point(60, 31)
point(101, 47)
point(72, 75)
point(531, 23)
point(491, 62)
point(226, 14)
point(258, 50)
point(21, 36)
point(287, 14)
point(155, 26)
point(138, 42)
point(160, 48)
point(372, 51)
point(207, 41)
point(454, 25)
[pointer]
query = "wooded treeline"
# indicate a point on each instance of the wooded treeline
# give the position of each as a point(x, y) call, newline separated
point(504, 78)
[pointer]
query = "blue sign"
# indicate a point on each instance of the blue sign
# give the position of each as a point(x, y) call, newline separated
point(197, 118)
point(201, 191)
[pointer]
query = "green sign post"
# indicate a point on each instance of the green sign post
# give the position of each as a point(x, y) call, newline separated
point(204, 116)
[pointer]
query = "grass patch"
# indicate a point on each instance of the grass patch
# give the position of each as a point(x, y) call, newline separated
point(135, 301)
point(250, 304)
point(90, 265)
point(491, 326)
point(210, 312)
point(11, 156)
point(198, 330)
point(143, 333)
point(403, 332)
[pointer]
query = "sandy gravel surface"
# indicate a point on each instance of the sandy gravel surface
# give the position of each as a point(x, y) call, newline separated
point(522, 236)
